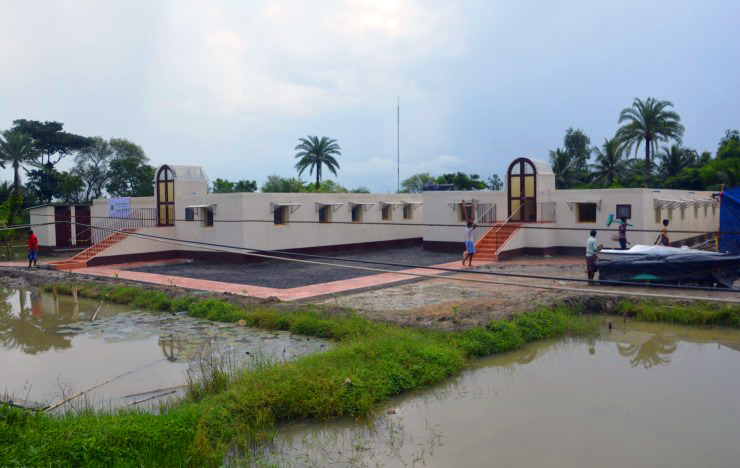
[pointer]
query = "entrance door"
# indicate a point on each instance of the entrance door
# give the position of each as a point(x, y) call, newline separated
point(63, 227)
point(522, 191)
point(82, 226)
point(165, 197)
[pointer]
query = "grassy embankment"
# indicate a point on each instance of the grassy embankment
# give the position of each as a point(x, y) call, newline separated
point(370, 363)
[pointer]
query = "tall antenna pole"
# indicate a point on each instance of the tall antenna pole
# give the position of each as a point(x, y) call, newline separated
point(398, 145)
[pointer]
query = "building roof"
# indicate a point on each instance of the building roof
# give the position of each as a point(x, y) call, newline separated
point(59, 204)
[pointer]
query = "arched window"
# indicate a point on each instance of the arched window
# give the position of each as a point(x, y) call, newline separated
point(522, 190)
point(165, 196)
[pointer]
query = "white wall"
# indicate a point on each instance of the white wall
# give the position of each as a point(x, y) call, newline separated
point(46, 234)
point(437, 210)
point(261, 233)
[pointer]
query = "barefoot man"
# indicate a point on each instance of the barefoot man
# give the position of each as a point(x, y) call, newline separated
point(469, 244)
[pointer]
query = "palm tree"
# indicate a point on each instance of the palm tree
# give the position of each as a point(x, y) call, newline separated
point(675, 159)
point(564, 167)
point(610, 164)
point(17, 150)
point(650, 122)
point(314, 153)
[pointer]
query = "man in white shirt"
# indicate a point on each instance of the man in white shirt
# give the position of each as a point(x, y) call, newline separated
point(469, 243)
point(591, 258)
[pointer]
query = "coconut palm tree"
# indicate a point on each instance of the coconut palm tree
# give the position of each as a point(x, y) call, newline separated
point(564, 167)
point(675, 159)
point(649, 122)
point(314, 153)
point(610, 164)
point(17, 150)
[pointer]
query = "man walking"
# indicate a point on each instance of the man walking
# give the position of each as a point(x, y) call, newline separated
point(623, 233)
point(469, 244)
point(591, 249)
point(33, 249)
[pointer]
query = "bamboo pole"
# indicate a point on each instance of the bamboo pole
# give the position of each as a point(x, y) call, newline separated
point(74, 294)
point(157, 390)
point(57, 405)
point(149, 398)
point(96, 312)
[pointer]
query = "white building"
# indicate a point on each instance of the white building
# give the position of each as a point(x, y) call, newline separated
point(528, 217)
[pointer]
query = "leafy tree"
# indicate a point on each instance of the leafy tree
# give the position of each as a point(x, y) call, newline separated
point(360, 189)
point(329, 186)
point(565, 168)
point(92, 166)
point(71, 188)
point(674, 160)
point(225, 186)
point(130, 178)
point(729, 146)
point(462, 181)
point(415, 183)
point(576, 143)
point(6, 188)
point(45, 183)
point(278, 184)
point(314, 154)
point(495, 183)
point(15, 149)
point(609, 163)
point(50, 141)
point(730, 136)
point(649, 122)
point(130, 173)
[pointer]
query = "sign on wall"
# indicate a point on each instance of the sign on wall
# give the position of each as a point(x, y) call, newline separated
point(119, 207)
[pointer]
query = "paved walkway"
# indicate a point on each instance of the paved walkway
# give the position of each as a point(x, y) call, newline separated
point(303, 292)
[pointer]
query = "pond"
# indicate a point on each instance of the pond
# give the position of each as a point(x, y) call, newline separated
point(638, 395)
point(51, 350)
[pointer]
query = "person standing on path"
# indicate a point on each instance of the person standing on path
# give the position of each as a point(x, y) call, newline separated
point(591, 258)
point(469, 244)
point(623, 233)
point(33, 249)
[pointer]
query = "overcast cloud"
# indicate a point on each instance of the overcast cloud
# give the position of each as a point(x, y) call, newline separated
point(231, 86)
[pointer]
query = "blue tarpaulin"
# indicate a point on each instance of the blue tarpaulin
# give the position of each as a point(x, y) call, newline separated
point(729, 221)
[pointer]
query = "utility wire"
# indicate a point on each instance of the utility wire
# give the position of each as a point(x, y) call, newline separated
point(279, 255)
point(391, 223)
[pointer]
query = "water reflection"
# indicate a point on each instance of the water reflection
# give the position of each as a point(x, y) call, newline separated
point(654, 352)
point(551, 404)
point(24, 326)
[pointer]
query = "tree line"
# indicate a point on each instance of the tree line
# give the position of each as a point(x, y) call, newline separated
point(652, 128)
point(115, 166)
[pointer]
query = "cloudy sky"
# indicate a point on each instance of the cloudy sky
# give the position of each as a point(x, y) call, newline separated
point(232, 85)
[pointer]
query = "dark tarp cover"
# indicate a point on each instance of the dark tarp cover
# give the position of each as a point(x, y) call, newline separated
point(729, 221)
point(677, 268)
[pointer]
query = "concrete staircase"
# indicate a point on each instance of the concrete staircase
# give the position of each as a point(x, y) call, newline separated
point(80, 260)
point(488, 246)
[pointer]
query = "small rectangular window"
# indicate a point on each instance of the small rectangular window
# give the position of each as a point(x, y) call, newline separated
point(670, 214)
point(683, 212)
point(387, 212)
point(357, 214)
point(325, 214)
point(696, 211)
point(624, 211)
point(705, 211)
point(658, 215)
point(586, 212)
point(280, 215)
point(466, 212)
point(189, 214)
point(408, 212)
point(714, 210)
point(207, 217)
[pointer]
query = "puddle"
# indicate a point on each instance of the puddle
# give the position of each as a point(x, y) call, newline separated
point(51, 349)
point(643, 395)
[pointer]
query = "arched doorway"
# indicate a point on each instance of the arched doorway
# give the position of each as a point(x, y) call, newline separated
point(522, 190)
point(165, 196)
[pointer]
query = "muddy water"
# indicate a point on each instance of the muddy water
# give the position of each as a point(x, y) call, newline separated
point(643, 395)
point(50, 349)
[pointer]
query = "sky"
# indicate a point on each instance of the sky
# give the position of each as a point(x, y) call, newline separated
point(232, 85)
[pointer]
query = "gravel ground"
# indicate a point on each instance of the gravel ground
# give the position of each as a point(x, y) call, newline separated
point(285, 275)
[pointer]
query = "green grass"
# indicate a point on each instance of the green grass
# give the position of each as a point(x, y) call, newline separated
point(698, 313)
point(370, 363)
